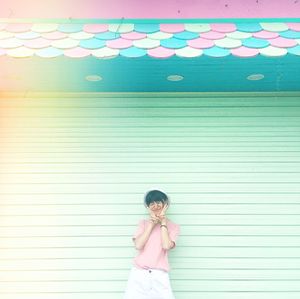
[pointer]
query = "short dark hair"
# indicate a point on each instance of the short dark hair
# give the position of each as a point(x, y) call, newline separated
point(155, 196)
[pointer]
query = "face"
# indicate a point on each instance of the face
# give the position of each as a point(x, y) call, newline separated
point(156, 206)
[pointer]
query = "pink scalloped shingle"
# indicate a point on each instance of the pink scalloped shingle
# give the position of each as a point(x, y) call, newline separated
point(54, 35)
point(37, 43)
point(95, 28)
point(161, 52)
point(283, 42)
point(200, 43)
point(172, 28)
point(77, 52)
point(133, 35)
point(212, 35)
point(223, 28)
point(18, 27)
point(294, 26)
point(119, 43)
point(264, 34)
point(244, 52)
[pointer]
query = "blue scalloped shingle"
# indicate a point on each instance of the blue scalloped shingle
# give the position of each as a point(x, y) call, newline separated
point(216, 52)
point(146, 28)
point(294, 50)
point(70, 28)
point(49, 52)
point(28, 35)
point(249, 27)
point(253, 42)
point(107, 35)
point(290, 34)
point(133, 52)
point(92, 43)
point(187, 35)
point(173, 43)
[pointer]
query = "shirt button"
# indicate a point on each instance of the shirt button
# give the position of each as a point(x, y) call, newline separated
point(149, 271)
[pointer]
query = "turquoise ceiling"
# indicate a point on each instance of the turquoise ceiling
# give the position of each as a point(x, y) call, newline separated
point(139, 57)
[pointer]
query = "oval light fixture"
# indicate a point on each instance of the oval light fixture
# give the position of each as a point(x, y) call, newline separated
point(93, 78)
point(175, 78)
point(255, 77)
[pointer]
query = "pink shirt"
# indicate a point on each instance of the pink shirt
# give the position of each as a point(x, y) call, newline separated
point(153, 255)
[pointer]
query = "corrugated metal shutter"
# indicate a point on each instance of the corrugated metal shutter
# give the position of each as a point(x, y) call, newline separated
point(74, 171)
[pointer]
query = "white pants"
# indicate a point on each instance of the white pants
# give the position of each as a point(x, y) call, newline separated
point(148, 284)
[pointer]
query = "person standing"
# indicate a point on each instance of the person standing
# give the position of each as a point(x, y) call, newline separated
point(154, 237)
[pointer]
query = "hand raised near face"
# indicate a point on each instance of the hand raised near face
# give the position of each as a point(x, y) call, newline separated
point(153, 218)
point(162, 214)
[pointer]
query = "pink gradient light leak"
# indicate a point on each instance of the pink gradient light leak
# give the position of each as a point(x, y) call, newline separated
point(135, 9)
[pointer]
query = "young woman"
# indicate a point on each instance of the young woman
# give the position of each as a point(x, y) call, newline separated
point(154, 237)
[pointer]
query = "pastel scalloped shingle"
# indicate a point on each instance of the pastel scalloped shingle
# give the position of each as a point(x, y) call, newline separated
point(49, 52)
point(228, 43)
point(161, 52)
point(200, 43)
point(188, 52)
point(93, 43)
point(134, 35)
point(172, 28)
point(18, 27)
point(121, 28)
point(216, 52)
point(119, 43)
point(244, 52)
point(272, 51)
point(146, 43)
point(95, 28)
point(212, 35)
point(274, 27)
point(186, 40)
point(37, 43)
point(105, 52)
point(133, 52)
point(224, 28)
point(265, 34)
point(20, 52)
point(198, 28)
point(282, 42)
point(42, 28)
point(77, 52)
point(173, 43)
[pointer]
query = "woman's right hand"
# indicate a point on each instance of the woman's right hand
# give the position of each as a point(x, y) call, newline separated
point(153, 218)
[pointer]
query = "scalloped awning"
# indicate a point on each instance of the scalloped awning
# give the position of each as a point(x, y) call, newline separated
point(130, 40)
point(149, 56)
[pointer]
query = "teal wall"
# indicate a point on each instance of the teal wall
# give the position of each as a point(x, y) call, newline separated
point(75, 168)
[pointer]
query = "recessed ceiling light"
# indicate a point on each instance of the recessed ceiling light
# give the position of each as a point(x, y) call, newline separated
point(255, 77)
point(93, 78)
point(175, 78)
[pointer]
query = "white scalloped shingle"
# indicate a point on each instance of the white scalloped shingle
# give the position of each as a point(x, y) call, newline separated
point(43, 28)
point(188, 52)
point(274, 27)
point(5, 34)
point(228, 43)
point(146, 43)
point(105, 52)
point(20, 52)
point(197, 27)
point(121, 28)
point(272, 51)
point(65, 43)
point(10, 43)
point(81, 35)
point(159, 35)
point(238, 35)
